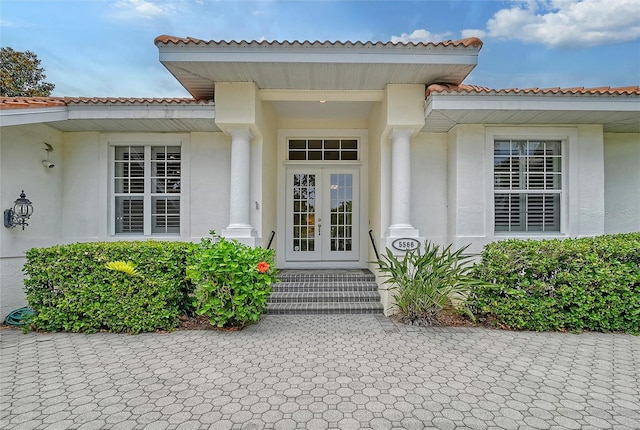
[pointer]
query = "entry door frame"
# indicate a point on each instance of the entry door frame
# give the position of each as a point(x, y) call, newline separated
point(323, 214)
point(361, 261)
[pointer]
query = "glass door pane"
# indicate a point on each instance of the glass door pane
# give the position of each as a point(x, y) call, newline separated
point(304, 212)
point(341, 198)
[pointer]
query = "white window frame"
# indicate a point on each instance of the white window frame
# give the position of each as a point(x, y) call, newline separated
point(148, 140)
point(567, 136)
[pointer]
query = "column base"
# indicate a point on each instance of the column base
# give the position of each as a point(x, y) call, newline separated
point(244, 234)
point(402, 230)
point(396, 233)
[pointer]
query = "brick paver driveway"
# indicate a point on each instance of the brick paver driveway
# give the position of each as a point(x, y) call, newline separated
point(316, 372)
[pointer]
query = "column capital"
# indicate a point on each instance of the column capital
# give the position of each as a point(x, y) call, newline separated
point(399, 133)
point(240, 132)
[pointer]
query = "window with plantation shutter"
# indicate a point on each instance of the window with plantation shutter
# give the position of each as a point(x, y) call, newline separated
point(146, 189)
point(527, 185)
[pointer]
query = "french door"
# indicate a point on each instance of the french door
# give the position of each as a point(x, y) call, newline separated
point(322, 218)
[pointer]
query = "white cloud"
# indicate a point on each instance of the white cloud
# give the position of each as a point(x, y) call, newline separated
point(566, 22)
point(140, 9)
point(5, 23)
point(474, 33)
point(420, 36)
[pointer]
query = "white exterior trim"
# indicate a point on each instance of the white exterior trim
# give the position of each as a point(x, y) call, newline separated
point(569, 138)
point(151, 111)
point(318, 54)
point(33, 116)
point(108, 142)
point(530, 103)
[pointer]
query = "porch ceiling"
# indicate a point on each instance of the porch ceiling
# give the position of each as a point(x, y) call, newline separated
point(330, 110)
point(314, 65)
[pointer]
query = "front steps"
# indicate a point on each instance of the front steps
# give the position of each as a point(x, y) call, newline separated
point(335, 291)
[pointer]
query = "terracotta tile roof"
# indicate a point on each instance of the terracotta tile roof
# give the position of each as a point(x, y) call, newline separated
point(578, 91)
point(30, 102)
point(166, 39)
point(47, 102)
point(134, 100)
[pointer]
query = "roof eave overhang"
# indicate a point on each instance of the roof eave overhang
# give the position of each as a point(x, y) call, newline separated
point(134, 117)
point(615, 113)
point(9, 117)
point(197, 66)
point(141, 111)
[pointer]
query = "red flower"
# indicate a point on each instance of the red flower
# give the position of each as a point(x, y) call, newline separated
point(263, 267)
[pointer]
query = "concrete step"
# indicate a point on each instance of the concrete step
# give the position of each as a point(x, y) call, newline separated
point(324, 296)
point(325, 286)
point(340, 291)
point(310, 308)
point(326, 275)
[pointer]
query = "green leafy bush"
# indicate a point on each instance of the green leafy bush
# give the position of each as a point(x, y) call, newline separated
point(71, 287)
point(573, 284)
point(424, 283)
point(233, 281)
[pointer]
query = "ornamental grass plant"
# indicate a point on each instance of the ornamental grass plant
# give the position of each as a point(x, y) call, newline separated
point(424, 283)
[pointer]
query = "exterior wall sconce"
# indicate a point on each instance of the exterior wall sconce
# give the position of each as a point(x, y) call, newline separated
point(21, 212)
point(46, 163)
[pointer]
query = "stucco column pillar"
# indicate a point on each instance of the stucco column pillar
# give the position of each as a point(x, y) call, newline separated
point(240, 185)
point(401, 184)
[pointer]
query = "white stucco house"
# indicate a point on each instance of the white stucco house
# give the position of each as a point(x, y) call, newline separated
point(318, 147)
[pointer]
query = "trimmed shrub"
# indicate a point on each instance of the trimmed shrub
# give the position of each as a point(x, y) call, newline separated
point(573, 284)
point(128, 287)
point(233, 281)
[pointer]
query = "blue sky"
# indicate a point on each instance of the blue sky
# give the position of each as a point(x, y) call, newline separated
point(105, 47)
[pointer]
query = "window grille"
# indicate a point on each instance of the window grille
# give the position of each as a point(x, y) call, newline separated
point(147, 186)
point(323, 149)
point(527, 185)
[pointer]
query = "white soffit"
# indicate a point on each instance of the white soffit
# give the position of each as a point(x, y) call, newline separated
point(129, 116)
point(10, 117)
point(150, 117)
point(620, 114)
point(314, 65)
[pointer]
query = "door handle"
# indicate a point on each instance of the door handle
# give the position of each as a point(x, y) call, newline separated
point(319, 226)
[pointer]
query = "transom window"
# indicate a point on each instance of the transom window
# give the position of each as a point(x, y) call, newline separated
point(323, 149)
point(527, 185)
point(146, 189)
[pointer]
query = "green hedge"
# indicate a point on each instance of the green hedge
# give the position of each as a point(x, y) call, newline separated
point(573, 284)
point(70, 289)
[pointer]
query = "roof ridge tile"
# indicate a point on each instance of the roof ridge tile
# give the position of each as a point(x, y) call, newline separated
point(165, 39)
point(593, 91)
point(48, 102)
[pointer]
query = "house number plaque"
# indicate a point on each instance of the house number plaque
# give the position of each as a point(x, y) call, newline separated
point(405, 244)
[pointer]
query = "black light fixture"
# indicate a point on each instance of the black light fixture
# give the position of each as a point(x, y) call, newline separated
point(21, 212)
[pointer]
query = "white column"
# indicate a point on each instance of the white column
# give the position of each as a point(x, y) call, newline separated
point(240, 185)
point(401, 184)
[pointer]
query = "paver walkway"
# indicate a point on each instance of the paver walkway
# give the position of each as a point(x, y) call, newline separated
point(317, 372)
